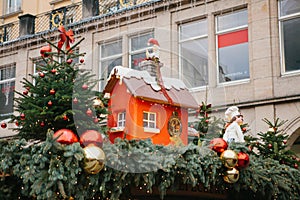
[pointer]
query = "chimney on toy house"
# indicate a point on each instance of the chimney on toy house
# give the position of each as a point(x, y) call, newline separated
point(152, 64)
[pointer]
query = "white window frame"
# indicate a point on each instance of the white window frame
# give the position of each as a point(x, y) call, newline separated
point(281, 19)
point(148, 121)
point(229, 30)
point(103, 59)
point(8, 81)
point(199, 37)
point(12, 6)
point(121, 119)
point(138, 51)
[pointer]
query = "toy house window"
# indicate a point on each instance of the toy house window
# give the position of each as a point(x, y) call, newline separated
point(12, 6)
point(232, 43)
point(289, 19)
point(7, 86)
point(110, 56)
point(137, 48)
point(121, 119)
point(193, 50)
point(149, 120)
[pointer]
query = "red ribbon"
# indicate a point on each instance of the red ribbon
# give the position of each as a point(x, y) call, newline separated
point(65, 36)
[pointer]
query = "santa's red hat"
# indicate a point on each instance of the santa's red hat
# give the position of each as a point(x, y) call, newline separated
point(153, 41)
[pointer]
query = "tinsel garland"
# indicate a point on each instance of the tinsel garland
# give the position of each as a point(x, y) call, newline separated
point(50, 170)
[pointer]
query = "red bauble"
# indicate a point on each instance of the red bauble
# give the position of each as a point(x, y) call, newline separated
point(65, 136)
point(50, 103)
point(284, 141)
point(206, 120)
point(52, 92)
point(42, 124)
point(17, 123)
point(243, 160)
point(42, 75)
point(3, 125)
point(25, 92)
point(91, 137)
point(81, 60)
point(270, 146)
point(22, 116)
point(296, 166)
point(53, 71)
point(45, 50)
point(244, 129)
point(218, 145)
point(95, 120)
point(65, 117)
point(75, 100)
point(89, 112)
point(69, 61)
point(84, 87)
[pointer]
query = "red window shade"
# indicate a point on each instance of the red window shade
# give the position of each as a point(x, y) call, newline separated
point(233, 38)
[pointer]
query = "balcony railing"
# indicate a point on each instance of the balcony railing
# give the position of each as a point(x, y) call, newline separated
point(68, 15)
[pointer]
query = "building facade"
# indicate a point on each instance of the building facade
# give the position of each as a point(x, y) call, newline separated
point(228, 52)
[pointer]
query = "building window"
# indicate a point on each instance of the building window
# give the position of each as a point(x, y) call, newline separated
point(289, 21)
point(137, 50)
point(110, 56)
point(149, 120)
point(7, 87)
point(13, 6)
point(232, 41)
point(121, 119)
point(193, 58)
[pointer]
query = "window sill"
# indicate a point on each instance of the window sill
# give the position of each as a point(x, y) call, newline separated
point(116, 129)
point(288, 74)
point(234, 82)
point(11, 14)
point(54, 2)
point(198, 89)
point(151, 130)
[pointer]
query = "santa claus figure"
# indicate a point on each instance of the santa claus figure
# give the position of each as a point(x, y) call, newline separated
point(233, 131)
point(155, 49)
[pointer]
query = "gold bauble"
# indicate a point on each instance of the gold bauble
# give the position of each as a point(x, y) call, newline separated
point(97, 103)
point(231, 175)
point(94, 159)
point(229, 158)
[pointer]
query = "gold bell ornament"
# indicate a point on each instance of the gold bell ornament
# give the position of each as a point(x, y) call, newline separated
point(94, 159)
point(231, 175)
point(229, 158)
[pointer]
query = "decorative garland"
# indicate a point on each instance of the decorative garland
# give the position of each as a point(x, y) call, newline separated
point(50, 170)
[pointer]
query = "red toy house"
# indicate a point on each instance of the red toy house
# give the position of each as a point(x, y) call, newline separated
point(144, 106)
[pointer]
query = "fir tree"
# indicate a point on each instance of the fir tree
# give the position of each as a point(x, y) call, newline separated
point(272, 144)
point(60, 96)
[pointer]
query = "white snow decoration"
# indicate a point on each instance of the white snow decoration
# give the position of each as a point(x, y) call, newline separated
point(131, 73)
